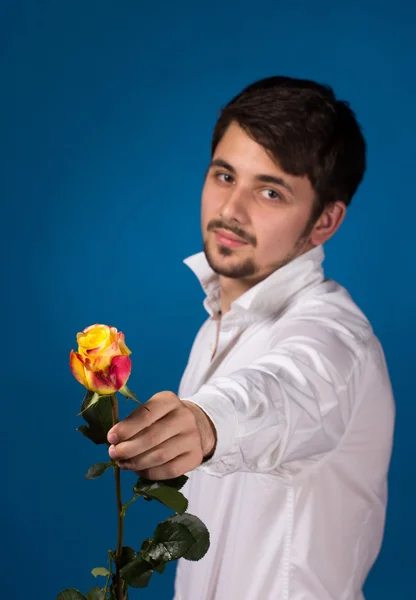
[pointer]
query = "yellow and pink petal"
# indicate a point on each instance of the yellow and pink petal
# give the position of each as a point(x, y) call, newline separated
point(122, 345)
point(94, 339)
point(77, 367)
point(109, 381)
point(113, 334)
point(99, 363)
point(99, 382)
point(112, 350)
point(120, 370)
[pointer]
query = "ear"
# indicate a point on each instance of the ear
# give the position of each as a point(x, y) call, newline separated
point(328, 223)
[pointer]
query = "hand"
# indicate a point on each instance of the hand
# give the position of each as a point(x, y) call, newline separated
point(165, 441)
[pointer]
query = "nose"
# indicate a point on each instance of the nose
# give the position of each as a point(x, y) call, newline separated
point(235, 205)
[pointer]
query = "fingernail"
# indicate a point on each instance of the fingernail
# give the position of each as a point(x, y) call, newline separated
point(112, 452)
point(112, 438)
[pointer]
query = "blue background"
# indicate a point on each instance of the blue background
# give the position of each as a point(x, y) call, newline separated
point(106, 114)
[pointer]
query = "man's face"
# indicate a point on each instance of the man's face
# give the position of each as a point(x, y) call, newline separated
point(255, 217)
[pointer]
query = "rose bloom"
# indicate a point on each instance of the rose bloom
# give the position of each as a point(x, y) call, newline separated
point(102, 363)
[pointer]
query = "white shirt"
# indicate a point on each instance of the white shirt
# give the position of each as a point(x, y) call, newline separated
point(295, 494)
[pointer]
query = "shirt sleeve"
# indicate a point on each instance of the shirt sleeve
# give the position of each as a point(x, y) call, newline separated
point(288, 407)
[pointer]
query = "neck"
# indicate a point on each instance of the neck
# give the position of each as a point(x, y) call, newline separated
point(231, 289)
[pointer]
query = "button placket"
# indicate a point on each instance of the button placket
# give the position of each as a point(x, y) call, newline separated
point(228, 330)
point(214, 345)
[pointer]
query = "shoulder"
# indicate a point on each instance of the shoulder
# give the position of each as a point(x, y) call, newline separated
point(326, 322)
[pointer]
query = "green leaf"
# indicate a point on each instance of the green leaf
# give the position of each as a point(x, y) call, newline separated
point(92, 400)
point(100, 572)
point(71, 594)
point(85, 430)
point(95, 593)
point(167, 495)
point(138, 572)
point(129, 394)
point(99, 419)
point(170, 542)
point(177, 483)
point(97, 470)
point(170, 498)
point(160, 567)
point(146, 544)
point(199, 532)
point(127, 555)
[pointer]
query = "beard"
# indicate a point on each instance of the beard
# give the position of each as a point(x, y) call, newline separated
point(242, 270)
point(247, 268)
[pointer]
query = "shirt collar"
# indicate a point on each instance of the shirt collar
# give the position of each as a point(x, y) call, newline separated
point(268, 297)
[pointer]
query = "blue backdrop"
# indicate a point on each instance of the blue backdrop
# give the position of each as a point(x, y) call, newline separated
point(106, 113)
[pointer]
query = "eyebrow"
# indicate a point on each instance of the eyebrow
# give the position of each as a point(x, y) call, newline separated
point(219, 162)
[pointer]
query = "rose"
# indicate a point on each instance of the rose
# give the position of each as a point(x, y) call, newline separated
point(102, 363)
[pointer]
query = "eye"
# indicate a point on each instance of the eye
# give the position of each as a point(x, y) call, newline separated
point(271, 194)
point(224, 177)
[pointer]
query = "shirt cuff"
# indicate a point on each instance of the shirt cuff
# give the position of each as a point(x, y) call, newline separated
point(227, 455)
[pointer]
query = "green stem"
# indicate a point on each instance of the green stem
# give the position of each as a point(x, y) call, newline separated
point(120, 516)
point(110, 564)
point(125, 507)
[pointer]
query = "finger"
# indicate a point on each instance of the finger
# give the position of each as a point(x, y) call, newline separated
point(159, 405)
point(159, 455)
point(178, 466)
point(167, 427)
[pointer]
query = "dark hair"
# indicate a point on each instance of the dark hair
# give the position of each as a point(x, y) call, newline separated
point(306, 130)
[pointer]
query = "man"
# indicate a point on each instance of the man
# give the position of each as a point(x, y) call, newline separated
point(284, 417)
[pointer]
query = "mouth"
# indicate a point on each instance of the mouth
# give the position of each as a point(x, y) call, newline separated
point(226, 238)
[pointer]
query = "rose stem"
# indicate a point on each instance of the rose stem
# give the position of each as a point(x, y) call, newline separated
point(118, 586)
